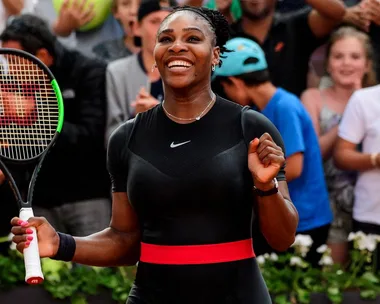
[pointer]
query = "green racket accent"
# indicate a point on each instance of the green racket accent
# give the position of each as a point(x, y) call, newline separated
point(60, 104)
point(4, 239)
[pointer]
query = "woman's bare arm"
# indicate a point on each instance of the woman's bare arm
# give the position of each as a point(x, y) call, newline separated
point(278, 217)
point(116, 245)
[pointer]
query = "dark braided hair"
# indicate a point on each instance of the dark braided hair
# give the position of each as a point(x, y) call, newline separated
point(218, 24)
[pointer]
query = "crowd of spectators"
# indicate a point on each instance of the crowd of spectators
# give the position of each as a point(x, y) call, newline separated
point(314, 75)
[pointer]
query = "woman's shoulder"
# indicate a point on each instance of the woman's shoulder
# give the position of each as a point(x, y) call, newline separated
point(247, 114)
point(311, 95)
point(228, 104)
point(123, 131)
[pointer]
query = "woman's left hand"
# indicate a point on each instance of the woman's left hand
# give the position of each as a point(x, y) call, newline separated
point(265, 159)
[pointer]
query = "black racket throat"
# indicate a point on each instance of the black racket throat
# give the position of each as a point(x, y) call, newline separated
point(21, 177)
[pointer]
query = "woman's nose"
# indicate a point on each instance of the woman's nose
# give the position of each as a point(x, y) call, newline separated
point(347, 60)
point(178, 47)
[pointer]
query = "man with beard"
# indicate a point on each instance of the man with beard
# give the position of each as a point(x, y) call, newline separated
point(288, 40)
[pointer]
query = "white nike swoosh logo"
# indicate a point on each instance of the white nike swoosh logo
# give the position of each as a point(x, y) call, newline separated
point(173, 145)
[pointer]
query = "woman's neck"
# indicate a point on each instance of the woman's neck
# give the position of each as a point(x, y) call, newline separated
point(188, 103)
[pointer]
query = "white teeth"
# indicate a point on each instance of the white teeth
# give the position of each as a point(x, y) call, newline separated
point(180, 63)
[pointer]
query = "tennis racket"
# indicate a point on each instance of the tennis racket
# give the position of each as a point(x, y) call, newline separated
point(31, 118)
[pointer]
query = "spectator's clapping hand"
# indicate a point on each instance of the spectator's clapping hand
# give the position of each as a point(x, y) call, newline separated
point(144, 101)
point(73, 15)
point(373, 9)
point(359, 16)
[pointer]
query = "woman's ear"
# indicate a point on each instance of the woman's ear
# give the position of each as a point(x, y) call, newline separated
point(216, 56)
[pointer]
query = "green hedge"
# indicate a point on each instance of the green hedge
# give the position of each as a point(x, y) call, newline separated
point(65, 280)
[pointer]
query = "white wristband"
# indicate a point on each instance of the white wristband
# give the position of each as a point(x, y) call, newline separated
point(374, 160)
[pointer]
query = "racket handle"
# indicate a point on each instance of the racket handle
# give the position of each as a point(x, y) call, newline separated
point(33, 271)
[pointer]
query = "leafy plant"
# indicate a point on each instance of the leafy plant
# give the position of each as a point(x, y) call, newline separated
point(66, 280)
point(292, 280)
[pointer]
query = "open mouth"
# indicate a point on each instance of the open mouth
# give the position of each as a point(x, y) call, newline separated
point(179, 65)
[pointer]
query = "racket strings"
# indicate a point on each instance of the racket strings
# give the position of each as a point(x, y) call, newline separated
point(28, 109)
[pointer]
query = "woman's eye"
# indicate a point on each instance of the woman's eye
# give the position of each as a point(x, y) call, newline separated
point(193, 39)
point(164, 39)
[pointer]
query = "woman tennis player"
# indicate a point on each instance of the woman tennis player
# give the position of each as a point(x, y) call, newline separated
point(187, 176)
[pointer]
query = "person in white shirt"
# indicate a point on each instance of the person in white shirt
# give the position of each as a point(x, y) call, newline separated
point(14, 7)
point(360, 125)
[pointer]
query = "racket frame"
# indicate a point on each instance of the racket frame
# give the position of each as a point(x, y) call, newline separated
point(33, 269)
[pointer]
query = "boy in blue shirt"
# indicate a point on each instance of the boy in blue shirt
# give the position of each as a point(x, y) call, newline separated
point(245, 79)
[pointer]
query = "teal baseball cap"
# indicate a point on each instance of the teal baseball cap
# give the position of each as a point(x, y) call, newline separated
point(245, 56)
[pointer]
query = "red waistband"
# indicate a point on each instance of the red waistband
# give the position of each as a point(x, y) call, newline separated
point(196, 254)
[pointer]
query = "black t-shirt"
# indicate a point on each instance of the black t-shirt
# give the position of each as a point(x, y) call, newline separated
point(288, 47)
point(190, 185)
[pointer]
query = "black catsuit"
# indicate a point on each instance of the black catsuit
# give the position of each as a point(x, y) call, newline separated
point(197, 192)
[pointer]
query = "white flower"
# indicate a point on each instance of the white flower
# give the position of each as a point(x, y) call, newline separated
point(356, 235)
point(322, 249)
point(370, 242)
point(260, 259)
point(296, 261)
point(274, 257)
point(366, 242)
point(375, 237)
point(302, 244)
point(303, 240)
point(266, 256)
point(339, 272)
point(351, 236)
point(326, 260)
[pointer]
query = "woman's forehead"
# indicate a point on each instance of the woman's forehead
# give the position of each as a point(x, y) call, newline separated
point(183, 19)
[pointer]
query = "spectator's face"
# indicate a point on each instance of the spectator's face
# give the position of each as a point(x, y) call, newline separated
point(126, 13)
point(347, 62)
point(185, 51)
point(235, 90)
point(148, 27)
point(257, 9)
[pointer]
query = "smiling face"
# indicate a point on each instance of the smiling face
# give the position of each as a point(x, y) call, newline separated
point(347, 62)
point(185, 50)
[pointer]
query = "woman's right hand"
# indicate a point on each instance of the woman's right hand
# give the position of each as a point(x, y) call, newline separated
point(48, 239)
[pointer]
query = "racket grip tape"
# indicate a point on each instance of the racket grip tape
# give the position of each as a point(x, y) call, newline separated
point(33, 271)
